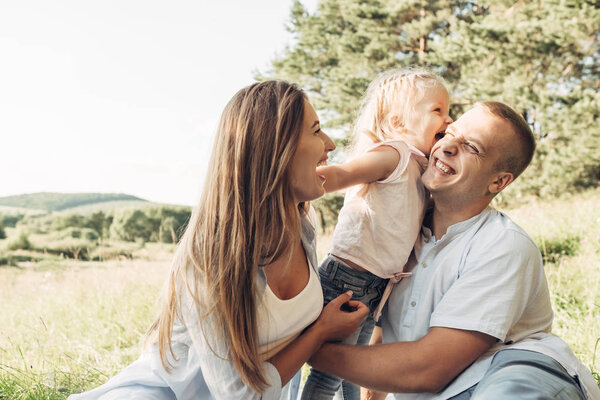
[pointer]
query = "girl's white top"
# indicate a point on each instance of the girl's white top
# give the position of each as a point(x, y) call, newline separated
point(379, 223)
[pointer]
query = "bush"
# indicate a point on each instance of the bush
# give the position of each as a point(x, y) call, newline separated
point(20, 243)
point(10, 220)
point(554, 249)
point(76, 233)
point(2, 232)
point(78, 249)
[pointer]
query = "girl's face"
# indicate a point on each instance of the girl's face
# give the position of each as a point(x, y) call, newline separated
point(311, 152)
point(428, 117)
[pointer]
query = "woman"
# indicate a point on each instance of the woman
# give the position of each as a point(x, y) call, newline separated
point(243, 282)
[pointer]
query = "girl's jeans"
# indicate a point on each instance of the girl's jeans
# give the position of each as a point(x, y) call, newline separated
point(337, 278)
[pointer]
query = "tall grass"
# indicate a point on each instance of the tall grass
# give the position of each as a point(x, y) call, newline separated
point(71, 327)
point(67, 326)
point(567, 232)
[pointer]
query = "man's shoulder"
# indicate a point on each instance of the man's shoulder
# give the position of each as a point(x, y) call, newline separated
point(498, 229)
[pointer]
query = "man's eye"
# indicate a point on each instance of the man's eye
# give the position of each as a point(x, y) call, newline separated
point(472, 148)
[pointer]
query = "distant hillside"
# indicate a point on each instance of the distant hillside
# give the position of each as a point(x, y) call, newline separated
point(63, 201)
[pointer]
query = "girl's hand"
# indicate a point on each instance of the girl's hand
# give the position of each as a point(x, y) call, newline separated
point(341, 317)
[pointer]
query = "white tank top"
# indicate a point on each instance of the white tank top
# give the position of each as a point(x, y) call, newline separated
point(281, 321)
point(379, 223)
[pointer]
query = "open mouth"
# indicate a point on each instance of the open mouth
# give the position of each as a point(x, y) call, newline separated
point(440, 135)
point(322, 163)
point(443, 167)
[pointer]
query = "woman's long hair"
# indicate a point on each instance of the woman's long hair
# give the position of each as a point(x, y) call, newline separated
point(247, 217)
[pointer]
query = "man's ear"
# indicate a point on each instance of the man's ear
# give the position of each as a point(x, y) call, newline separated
point(502, 180)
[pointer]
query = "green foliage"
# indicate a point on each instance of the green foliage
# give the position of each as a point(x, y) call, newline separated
point(20, 243)
point(61, 201)
point(10, 220)
point(2, 232)
point(542, 58)
point(75, 248)
point(165, 224)
point(553, 249)
point(328, 208)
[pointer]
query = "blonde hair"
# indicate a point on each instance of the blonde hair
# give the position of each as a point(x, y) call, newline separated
point(247, 217)
point(390, 97)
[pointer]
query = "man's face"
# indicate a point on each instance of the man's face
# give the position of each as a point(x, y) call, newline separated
point(462, 163)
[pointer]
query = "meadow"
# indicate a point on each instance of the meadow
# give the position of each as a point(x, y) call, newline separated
point(68, 325)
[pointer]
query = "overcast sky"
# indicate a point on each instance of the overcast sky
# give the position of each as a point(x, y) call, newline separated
point(124, 96)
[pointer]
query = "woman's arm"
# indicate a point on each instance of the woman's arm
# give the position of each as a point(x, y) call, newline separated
point(332, 324)
point(374, 165)
point(223, 379)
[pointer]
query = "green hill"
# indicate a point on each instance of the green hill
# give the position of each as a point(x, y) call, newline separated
point(64, 201)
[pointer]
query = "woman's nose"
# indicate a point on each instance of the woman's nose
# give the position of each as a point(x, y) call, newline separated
point(329, 144)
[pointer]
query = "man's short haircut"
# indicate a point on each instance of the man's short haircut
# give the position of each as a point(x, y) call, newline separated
point(519, 156)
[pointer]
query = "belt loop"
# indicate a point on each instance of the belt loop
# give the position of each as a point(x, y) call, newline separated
point(333, 266)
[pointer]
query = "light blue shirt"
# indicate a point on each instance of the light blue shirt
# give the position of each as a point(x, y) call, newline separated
point(485, 274)
point(202, 369)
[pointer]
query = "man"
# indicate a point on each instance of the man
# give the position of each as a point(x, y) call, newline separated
point(473, 321)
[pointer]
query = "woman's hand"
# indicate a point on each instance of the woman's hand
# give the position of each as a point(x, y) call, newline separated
point(340, 318)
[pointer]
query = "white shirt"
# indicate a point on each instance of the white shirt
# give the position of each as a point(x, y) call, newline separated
point(202, 369)
point(485, 274)
point(380, 221)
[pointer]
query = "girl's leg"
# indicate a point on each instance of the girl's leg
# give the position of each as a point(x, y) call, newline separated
point(337, 278)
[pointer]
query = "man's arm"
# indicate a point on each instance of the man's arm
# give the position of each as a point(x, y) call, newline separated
point(426, 365)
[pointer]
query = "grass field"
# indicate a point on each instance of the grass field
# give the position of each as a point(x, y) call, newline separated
point(67, 326)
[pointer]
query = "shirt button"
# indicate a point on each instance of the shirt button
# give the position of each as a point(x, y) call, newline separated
point(413, 303)
point(424, 265)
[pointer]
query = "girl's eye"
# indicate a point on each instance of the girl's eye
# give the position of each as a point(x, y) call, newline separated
point(438, 110)
point(317, 131)
point(439, 135)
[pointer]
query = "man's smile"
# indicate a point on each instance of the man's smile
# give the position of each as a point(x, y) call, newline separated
point(443, 167)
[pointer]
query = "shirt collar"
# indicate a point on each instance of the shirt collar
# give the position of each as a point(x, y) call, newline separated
point(457, 228)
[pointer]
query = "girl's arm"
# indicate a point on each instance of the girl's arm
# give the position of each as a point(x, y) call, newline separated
point(374, 165)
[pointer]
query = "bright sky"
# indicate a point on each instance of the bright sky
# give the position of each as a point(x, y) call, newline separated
point(123, 96)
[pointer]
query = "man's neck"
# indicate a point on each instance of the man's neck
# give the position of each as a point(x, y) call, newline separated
point(446, 214)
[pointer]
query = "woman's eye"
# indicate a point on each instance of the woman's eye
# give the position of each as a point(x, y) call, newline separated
point(317, 131)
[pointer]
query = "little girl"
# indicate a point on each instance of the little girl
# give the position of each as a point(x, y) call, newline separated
point(401, 114)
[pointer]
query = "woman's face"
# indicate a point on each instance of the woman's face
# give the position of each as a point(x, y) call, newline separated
point(311, 152)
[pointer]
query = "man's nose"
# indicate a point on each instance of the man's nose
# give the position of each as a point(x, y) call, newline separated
point(449, 145)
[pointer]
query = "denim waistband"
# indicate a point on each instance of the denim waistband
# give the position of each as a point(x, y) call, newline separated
point(332, 266)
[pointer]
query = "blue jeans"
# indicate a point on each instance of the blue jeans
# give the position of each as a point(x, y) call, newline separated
point(337, 278)
point(524, 375)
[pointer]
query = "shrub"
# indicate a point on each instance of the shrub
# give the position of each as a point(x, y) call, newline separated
point(2, 232)
point(554, 249)
point(20, 243)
